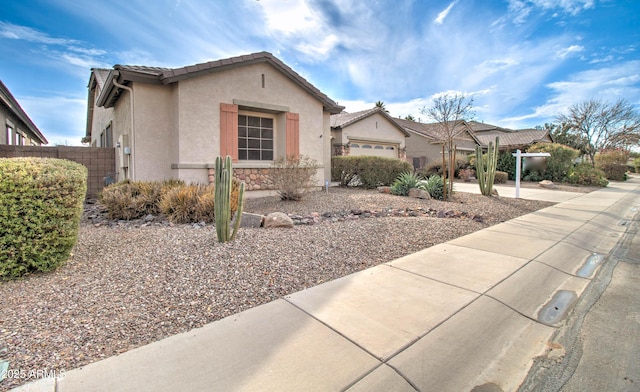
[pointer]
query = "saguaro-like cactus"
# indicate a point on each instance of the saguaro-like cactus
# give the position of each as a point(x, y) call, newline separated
point(486, 173)
point(222, 201)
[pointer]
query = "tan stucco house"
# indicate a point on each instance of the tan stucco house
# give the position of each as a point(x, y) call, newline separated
point(369, 132)
point(425, 145)
point(18, 128)
point(172, 123)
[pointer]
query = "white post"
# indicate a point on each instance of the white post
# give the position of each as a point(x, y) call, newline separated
point(518, 155)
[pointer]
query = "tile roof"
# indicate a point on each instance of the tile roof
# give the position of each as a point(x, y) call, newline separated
point(479, 127)
point(172, 75)
point(345, 119)
point(515, 138)
point(12, 104)
point(428, 130)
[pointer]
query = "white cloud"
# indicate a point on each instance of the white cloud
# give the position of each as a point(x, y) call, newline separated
point(608, 83)
point(442, 15)
point(60, 119)
point(565, 52)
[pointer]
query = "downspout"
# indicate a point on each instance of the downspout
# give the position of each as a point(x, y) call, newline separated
point(133, 127)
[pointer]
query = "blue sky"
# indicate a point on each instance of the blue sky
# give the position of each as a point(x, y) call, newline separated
point(523, 61)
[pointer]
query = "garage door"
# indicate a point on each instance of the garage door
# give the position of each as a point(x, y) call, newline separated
point(378, 150)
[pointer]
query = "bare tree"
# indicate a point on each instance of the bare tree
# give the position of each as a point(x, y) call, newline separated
point(603, 125)
point(449, 111)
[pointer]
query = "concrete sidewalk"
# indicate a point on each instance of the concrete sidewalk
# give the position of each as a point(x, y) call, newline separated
point(470, 314)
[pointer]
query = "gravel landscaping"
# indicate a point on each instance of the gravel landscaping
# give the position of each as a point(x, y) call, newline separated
point(128, 284)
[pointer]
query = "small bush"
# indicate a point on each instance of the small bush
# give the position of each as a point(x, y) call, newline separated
point(507, 163)
point(613, 163)
point(500, 177)
point(585, 174)
point(614, 171)
point(555, 167)
point(636, 165)
point(194, 203)
point(435, 167)
point(293, 176)
point(135, 199)
point(405, 182)
point(369, 171)
point(183, 204)
point(435, 186)
point(40, 208)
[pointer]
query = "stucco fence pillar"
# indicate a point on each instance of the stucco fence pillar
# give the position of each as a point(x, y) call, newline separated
point(254, 179)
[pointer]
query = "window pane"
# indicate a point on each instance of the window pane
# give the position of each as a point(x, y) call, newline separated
point(255, 138)
point(254, 132)
point(253, 143)
point(254, 154)
point(267, 123)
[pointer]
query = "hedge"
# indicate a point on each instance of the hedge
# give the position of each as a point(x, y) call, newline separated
point(367, 171)
point(41, 203)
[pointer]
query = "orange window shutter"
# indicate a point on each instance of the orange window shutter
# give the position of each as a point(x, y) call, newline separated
point(293, 134)
point(229, 130)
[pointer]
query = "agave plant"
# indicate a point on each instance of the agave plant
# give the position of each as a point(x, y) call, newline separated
point(405, 182)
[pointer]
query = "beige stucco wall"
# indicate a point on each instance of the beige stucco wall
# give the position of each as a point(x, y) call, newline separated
point(421, 147)
point(177, 126)
point(7, 118)
point(156, 141)
point(199, 116)
point(376, 128)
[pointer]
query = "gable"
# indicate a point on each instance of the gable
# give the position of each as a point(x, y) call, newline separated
point(123, 74)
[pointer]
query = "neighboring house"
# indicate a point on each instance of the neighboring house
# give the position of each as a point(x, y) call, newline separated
point(368, 132)
point(172, 123)
point(425, 145)
point(19, 129)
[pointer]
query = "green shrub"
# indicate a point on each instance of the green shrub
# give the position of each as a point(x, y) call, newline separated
point(405, 182)
point(40, 208)
point(555, 167)
point(636, 165)
point(585, 174)
point(293, 176)
point(613, 163)
point(500, 177)
point(435, 167)
point(435, 186)
point(367, 171)
point(614, 171)
point(507, 163)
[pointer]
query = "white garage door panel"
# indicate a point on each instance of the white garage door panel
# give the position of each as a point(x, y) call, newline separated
point(373, 151)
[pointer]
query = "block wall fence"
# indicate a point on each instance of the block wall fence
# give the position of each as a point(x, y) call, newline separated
point(100, 162)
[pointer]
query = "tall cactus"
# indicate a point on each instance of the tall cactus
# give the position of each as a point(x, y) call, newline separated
point(222, 201)
point(486, 174)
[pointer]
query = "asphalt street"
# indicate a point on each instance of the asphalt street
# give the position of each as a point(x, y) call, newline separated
point(599, 348)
